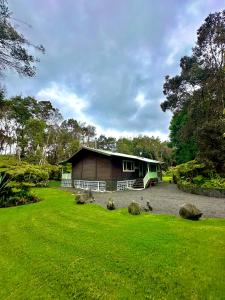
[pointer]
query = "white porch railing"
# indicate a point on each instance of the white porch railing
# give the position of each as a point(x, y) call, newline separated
point(92, 185)
point(66, 183)
point(125, 184)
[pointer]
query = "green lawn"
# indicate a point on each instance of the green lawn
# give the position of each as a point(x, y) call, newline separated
point(55, 249)
point(167, 179)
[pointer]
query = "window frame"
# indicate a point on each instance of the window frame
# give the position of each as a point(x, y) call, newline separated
point(124, 164)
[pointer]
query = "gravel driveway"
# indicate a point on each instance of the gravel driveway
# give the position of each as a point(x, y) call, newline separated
point(165, 198)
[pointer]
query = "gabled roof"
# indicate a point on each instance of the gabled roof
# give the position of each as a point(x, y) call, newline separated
point(117, 154)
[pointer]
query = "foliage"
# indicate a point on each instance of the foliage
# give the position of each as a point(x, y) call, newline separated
point(149, 147)
point(189, 169)
point(196, 96)
point(181, 140)
point(218, 183)
point(15, 193)
point(194, 174)
point(14, 46)
point(134, 208)
point(38, 133)
point(55, 244)
point(18, 177)
point(167, 179)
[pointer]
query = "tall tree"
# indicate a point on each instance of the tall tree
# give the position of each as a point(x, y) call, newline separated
point(198, 92)
point(14, 46)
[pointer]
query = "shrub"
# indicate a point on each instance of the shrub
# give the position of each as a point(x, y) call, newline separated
point(134, 208)
point(199, 180)
point(111, 204)
point(217, 182)
point(54, 172)
point(15, 193)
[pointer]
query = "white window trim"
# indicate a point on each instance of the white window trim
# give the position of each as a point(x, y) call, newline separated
point(125, 166)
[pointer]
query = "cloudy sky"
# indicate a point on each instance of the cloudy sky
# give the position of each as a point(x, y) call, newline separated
point(106, 60)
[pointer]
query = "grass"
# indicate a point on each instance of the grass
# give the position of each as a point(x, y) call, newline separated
point(167, 179)
point(55, 249)
point(54, 183)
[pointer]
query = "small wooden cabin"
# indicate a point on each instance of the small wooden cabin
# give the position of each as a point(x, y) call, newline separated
point(102, 170)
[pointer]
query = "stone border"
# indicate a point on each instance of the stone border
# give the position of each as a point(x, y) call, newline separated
point(217, 193)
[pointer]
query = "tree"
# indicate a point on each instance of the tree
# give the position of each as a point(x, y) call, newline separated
point(196, 96)
point(181, 140)
point(14, 46)
point(106, 143)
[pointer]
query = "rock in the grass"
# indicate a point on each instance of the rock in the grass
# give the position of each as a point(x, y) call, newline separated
point(147, 207)
point(92, 199)
point(111, 205)
point(190, 211)
point(134, 208)
point(81, 199)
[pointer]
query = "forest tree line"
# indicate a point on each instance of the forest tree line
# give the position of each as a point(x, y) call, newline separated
point(36, 132)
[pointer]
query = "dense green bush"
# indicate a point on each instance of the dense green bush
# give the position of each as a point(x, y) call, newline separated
point(15, 193)
point(17, 177)
point(23, 171)
point(134, 208)
point(217, 182)
point(194, 175)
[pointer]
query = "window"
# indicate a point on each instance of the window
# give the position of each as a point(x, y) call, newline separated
point(128, 166)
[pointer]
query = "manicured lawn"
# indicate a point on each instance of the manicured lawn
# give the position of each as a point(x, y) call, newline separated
point(167, 179)
point(55, 249)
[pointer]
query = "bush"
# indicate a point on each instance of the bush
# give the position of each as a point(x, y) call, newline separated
point(190, 211)
point(15, 193)
point(134, 208)
point(218, 183)
point(194, 175)
point(54, 172)
point(111, 204)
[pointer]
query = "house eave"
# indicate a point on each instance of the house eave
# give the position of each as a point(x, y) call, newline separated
point(112, 154)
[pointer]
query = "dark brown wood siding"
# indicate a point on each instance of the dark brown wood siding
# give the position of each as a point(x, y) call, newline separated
point(77, 170)
point(104, 168)
point(92, 166)
point(89, 165)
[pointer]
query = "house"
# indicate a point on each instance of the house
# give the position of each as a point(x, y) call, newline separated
point(102, 170)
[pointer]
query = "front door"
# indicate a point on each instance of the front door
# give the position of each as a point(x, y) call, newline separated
point(141, 170)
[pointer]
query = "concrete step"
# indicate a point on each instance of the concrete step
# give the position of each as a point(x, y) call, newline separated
point(139, 183)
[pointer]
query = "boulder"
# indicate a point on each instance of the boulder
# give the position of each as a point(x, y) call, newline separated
point(81, 199)
point(134, 208)
point(147, 207)
point(190, 211)
point(111, 204)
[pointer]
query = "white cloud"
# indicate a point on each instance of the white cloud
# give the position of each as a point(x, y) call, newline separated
point(182, 39)
point(127, 134)
point(69, 103)
point(140, 100)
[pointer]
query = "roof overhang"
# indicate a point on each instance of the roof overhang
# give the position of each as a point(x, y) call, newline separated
point(112, 154)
